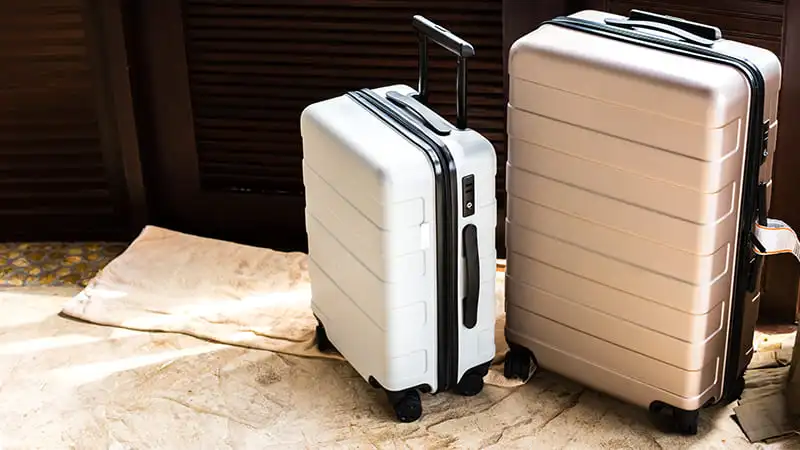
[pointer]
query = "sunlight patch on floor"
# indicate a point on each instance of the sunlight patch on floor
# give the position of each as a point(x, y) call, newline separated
point(29, 346)
point(86, 373)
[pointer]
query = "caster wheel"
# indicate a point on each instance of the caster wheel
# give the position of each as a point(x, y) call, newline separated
point(656, 408)
point(374, 383)
point(734, 392)
point(517, 363)
point(407, 405)
point(686, 421)
point(470, 384)
point(323, 344)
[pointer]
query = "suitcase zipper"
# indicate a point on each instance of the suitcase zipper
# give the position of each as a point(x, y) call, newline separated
point(446, 206)
point(751, 209)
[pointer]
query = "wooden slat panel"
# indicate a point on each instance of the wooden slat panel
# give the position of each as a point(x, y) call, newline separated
point(254, 66)
point(52, 177)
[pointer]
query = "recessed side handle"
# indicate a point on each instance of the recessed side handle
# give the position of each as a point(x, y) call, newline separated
point(761, 219)
point(473, 276)
point(761, 204)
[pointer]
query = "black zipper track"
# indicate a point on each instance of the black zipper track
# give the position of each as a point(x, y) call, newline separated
point(750, 183)
point(446, 207)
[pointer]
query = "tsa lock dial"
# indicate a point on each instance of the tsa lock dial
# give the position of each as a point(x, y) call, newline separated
point(468, 195)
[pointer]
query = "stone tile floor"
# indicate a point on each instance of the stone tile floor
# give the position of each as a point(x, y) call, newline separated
point(54, 263)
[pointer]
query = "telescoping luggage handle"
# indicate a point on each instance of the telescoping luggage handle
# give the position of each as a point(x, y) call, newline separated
point(461, 48)
point(692, 32)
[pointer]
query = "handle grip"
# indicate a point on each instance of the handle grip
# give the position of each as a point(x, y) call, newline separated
point(761, 204)
point(473, 276)
point(443, 37)
point(462, 49)
point(696, 28)
point(664, 28)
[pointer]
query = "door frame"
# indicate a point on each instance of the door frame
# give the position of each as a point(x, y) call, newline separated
point(107, 57)
point(172, 154)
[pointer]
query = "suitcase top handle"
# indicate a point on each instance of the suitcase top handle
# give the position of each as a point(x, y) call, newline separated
point(661, 27)
point(459, 47)
point(696, 28)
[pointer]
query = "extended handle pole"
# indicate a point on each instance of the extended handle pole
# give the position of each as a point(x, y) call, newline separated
point(461, 48)
point(423, 69)
point(461, 88)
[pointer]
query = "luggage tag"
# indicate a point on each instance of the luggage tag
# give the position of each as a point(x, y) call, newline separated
point(772, 236)
point(776, 237)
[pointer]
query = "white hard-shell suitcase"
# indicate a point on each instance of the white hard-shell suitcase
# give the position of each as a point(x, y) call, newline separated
point(400, 217)
point(639, 170)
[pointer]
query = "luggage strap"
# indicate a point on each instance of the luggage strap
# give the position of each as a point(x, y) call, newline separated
point(774, 238)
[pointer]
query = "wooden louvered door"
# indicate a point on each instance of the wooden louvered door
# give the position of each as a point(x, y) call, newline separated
point(61, 174)
point(229, 79)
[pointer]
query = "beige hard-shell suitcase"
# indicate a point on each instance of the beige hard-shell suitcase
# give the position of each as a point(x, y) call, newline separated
point(639, 166)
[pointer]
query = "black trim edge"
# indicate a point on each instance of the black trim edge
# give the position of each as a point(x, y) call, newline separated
point(447, 256)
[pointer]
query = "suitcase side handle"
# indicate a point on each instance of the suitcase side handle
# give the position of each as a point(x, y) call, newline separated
point(462, 49)
point(472, 275)
point(661, 27)
point(696, 28)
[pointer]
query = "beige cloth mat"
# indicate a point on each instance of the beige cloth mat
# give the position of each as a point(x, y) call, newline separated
point(219, 291)
point(68, 384)
point(770, 405)
point(71, 384)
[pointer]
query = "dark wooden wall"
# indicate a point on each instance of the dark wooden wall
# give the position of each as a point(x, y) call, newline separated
point(223, 84)
point(780, 300)
point(61, 176)
point(185, 113)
